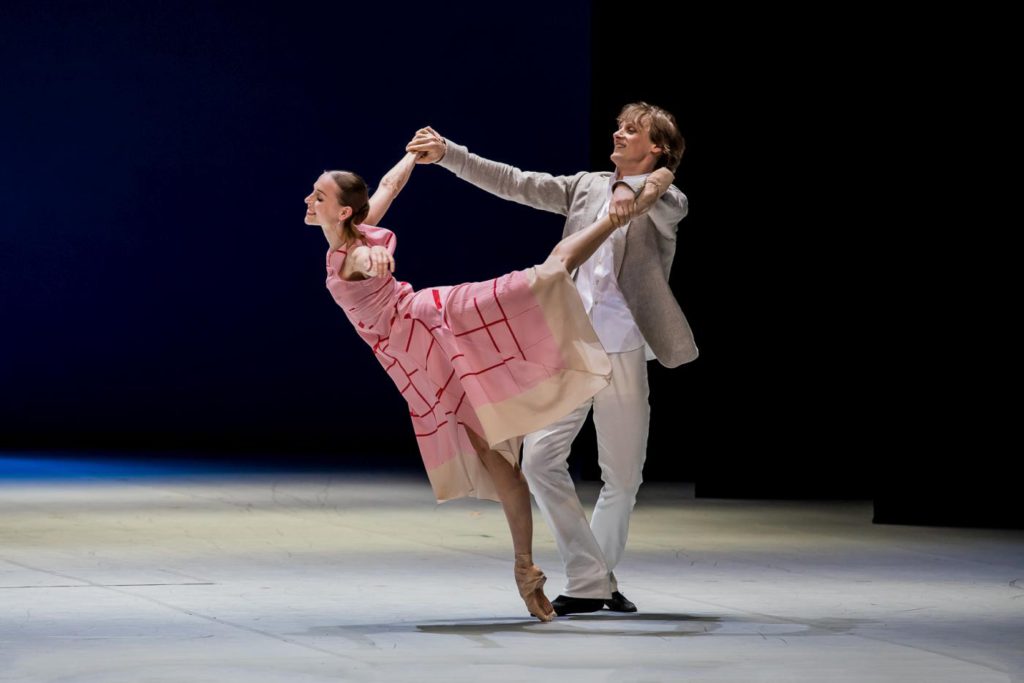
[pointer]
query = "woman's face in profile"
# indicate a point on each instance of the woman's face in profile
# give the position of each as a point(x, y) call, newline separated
point(322, 207)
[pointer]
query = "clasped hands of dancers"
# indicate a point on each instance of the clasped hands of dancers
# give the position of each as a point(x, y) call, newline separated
point(475, 386)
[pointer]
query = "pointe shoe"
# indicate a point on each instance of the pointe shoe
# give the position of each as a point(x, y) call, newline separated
point(530, 580)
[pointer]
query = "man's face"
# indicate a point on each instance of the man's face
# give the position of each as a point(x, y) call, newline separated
point(632, 148)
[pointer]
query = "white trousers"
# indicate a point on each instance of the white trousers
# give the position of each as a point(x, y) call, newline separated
point(622, 414)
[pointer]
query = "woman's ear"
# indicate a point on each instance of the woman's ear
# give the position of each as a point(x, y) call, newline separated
point(344, 214)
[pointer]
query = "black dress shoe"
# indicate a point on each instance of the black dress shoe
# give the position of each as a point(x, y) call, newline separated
point(619, 603)
point(563, 605)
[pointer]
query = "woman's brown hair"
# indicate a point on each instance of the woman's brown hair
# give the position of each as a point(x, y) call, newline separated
point(353, 192)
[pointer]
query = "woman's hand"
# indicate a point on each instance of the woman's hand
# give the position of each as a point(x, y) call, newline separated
point(428, 145)
point(373, 261)
point(381, 262)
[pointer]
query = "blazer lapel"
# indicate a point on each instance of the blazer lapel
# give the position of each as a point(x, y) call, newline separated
point(596, 195)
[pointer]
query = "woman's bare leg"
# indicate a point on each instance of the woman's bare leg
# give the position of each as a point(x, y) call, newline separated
point(515, 500)
point(579, 246)
point(514, 493)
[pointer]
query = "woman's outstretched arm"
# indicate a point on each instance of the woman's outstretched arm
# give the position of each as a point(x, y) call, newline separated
point(390, 185)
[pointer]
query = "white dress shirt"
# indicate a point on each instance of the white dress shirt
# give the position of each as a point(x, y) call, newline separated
point(599, 289)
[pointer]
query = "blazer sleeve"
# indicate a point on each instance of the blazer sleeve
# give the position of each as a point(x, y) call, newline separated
point(670, 208)
point(538, 190)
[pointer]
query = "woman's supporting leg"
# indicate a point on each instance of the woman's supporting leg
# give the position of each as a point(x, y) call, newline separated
point(514, 493)
point(515, 500)
point(579, 246)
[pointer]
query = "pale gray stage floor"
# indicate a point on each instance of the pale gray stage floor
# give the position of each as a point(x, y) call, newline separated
point(354, 577)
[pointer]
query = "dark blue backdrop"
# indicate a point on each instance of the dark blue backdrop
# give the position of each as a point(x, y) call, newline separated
point(158, 284)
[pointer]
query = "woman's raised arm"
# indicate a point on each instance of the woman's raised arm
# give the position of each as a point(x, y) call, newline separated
point(390, 185)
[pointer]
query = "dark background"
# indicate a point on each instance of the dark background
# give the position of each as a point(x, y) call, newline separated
point(160, 293)
point(160, 287)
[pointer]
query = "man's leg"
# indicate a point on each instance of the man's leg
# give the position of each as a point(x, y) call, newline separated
point(545, 455)
point(621, 417)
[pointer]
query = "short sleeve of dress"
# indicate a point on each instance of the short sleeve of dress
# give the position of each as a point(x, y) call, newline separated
point(375, 237)
point(379, 237)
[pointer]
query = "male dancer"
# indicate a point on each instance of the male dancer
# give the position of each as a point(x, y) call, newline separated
point(624, 287)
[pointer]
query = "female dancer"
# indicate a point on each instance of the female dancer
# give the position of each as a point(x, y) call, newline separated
point(480, 364)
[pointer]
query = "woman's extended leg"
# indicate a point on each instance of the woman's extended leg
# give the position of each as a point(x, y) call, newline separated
point(579, 246)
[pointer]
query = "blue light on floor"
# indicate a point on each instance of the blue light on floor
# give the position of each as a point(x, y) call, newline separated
point(20, 466)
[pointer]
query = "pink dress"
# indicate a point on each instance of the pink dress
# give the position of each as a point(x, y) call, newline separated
point(503, 358)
